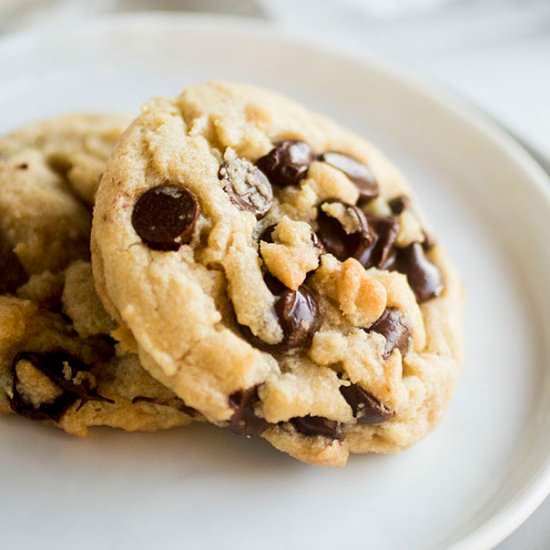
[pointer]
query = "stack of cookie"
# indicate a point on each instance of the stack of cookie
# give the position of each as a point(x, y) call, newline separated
point(252, 265)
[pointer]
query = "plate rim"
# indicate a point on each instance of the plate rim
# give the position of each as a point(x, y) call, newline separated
point(512, 514)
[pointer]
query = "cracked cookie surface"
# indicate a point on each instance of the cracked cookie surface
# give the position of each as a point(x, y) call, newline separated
point(58, 364)
point(272, 270)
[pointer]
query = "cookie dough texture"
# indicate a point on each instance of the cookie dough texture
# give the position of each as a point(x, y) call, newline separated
point(57, 361)
point(371, 364)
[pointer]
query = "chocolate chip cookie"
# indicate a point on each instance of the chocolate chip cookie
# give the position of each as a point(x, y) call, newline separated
point(273, 271)
point(50, 373)
point(74, 146)
point(58, 363)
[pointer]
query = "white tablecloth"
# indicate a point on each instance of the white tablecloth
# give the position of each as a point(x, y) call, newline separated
point(497, 52)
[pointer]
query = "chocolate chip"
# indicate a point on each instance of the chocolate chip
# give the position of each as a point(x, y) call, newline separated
point(380, 252)
point(356, 171)
point(366, 408)
point(244, 420)
point(46, 411)
point(297, 310)
point(423, 276)
point(12, 273)
point(298, 313)
point(336, 239)
point(391, 325)
point(55, 365)
point(165, 216)
point(317, 242)
point(175, 403)
point(23, 166)
point(399, 204)
point(371, 244)
point(104, 346)
point(267, 234)
point(275, 286)
point(317, 425)
point(287, 163)
point(246, 185)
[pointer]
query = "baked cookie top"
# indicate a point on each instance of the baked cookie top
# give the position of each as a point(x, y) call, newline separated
point(75, 146)
point(46, 171)
point(58, 363)
point(271, 269)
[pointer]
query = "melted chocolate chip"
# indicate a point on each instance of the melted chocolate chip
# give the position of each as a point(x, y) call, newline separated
point(298, 313)
point(317, 425)
point(165, 216)
point(244, 420)
point(356, 171)
point(287, 163)
point(371, 244)
point(391, 325)
point(104, 346)
point(46, 411)
point(380, 252)
point(297, 310)
point(12, 272)
point(336, 240)
point(53, 364)
point(246, 185)
point(275, 286)
point(317, 242)
point(423, 276)
point(366, 408)
point(399, 204)
point(267, 234)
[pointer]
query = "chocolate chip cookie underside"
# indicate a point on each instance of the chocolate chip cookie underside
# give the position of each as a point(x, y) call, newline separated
point(58, 364)
point(272, 271)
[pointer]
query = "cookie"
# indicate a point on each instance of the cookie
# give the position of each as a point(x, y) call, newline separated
point(74, 146)
point(58, 363)
point(49, 173)
point(49, 373)
point(273, 271)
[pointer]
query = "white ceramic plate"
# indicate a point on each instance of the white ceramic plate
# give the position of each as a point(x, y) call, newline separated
point(465, 486)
